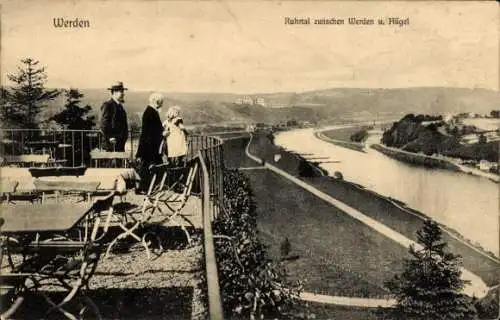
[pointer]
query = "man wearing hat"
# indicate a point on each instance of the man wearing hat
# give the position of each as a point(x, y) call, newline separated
point(114, 124)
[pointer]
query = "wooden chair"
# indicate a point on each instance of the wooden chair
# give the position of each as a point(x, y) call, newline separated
point(175, 194)
point(111, 159)
point(141, 217)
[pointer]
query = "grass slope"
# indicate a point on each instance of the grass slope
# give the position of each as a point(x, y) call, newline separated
point(338, 254)
point(379, 208)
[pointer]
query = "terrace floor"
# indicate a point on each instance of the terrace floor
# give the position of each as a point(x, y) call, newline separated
point(128, 285)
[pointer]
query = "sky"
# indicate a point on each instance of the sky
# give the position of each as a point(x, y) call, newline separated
point(245, 46)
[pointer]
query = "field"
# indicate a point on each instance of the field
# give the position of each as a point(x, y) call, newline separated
point(234, 154)
point(342, 137)
point(343, 134)
point(337, 254)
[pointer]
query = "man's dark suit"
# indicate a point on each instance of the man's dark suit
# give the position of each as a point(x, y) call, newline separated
point(114, 125)
point(149, 145)
point(151, 136)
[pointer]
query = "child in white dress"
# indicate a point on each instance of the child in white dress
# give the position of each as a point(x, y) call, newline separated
point(176, 137)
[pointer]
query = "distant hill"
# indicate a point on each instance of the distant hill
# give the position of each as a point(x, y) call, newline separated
point(319, 105)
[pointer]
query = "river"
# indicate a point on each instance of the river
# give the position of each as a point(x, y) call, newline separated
point(466, 203)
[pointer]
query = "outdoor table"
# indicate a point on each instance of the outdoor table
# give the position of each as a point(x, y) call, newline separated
point(44, 145)
point(79, 186)
point(25, 159)
point(59, 247)
point(52, 217)
point(57, 171)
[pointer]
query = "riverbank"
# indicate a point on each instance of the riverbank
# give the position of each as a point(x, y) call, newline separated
point(416, 158)
point(431, 161)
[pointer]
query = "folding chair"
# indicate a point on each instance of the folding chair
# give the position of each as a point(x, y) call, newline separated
point(139, 218)
point(175, 196)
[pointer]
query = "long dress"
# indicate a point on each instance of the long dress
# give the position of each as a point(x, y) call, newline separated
point(176, 140)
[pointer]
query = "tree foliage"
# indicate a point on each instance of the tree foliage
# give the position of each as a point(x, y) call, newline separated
point(252, 285)
point(430, 285)
point(28, 95)
point(73, 116)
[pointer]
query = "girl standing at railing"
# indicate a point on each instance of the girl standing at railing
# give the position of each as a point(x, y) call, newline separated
point(175, 137)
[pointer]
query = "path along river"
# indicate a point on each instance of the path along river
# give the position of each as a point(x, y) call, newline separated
point(466, 203)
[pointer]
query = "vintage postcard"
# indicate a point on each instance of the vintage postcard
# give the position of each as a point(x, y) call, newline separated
point(249, 160)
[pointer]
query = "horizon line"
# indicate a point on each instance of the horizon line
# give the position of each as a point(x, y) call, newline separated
point(274, 92)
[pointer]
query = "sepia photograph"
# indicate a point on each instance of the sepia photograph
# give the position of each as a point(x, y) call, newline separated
point(249, 160)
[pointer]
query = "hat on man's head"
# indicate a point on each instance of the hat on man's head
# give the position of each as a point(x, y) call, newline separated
point(117, 86)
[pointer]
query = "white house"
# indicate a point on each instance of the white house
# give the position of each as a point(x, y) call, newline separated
point(260, 102)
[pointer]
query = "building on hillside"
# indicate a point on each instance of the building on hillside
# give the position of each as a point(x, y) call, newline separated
point(486, 165)
point(259, 102)
point(247, 100)
point(250, 100)
point(244, 100)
